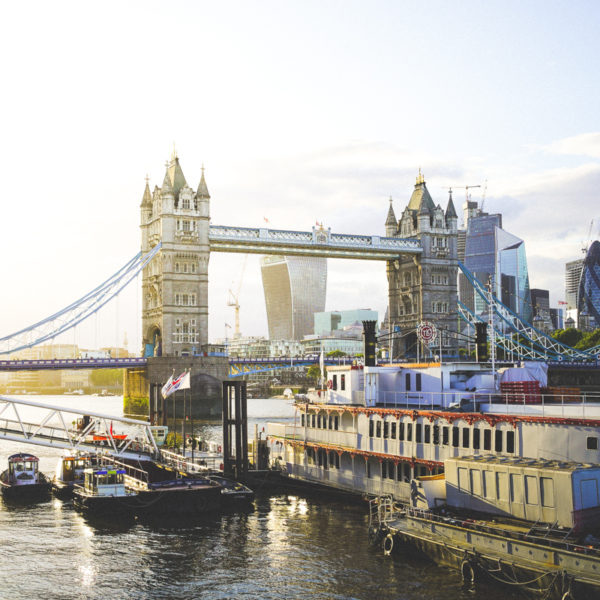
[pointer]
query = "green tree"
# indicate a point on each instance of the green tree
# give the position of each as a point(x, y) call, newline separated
point(314, 372)
point(570, 337)
point(335, 354)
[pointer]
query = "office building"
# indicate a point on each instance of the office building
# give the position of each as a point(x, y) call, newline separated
point(572, 277)
point(589, 290)
point(493, 254)
point(330, 321)
point(295, 289)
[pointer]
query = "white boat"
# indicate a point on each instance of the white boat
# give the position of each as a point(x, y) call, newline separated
point(374, 429)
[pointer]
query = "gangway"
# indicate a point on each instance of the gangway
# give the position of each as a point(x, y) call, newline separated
point(74, 430)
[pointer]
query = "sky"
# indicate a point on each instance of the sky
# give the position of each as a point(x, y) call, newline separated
point(300, 111)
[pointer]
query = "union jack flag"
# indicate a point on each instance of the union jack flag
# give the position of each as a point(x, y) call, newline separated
point(181, 383)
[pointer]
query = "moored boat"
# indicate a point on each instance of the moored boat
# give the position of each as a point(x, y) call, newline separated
point(104, 492)
point(70, 473)
point(233, 493)
point(23, 479)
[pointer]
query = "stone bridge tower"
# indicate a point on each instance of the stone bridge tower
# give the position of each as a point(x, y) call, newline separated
point(424, 287)
point(175, 282)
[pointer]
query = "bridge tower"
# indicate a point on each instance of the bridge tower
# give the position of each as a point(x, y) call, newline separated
point(175, 282)
point(424, 287)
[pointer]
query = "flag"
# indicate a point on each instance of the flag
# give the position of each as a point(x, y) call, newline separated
point(562, 302)
point(165, 388)
point(181, 383)
point(266, 220)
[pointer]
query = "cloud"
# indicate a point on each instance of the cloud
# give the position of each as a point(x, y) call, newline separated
point(585, 144)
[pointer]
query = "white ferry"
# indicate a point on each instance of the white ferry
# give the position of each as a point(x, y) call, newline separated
point(376, 428)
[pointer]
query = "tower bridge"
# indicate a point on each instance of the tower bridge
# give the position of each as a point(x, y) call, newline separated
point(420, 249)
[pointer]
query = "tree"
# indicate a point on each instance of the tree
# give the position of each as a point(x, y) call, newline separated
point(335, 354)
point(314, 372)
point(570, 337)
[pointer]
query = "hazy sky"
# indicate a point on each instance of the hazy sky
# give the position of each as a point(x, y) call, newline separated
point(300, 111)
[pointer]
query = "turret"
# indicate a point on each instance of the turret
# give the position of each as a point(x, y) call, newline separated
point(451, 216)
point(391, 224)
point(168, 197)
point(203, 197)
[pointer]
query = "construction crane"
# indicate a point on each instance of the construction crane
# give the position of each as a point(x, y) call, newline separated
point(466, 188)
point(585, 244)
point(234, 300)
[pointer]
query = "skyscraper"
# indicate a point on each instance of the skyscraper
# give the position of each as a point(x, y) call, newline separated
point(589, 289)
point(492, 252)
point(295, 289)
point(572, 276)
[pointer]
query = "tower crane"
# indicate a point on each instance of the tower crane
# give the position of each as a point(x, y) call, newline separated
point(585, 244)
point(233, 300)
point(464, 187)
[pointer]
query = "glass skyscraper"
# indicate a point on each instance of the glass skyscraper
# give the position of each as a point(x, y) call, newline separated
point(492, 252)
point(295, 288)
point(589, 289)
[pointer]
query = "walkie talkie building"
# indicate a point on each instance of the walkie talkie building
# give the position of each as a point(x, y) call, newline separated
point(295, 288)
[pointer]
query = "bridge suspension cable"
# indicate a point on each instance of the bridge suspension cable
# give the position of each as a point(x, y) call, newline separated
point(529, 342)
point(78, 311)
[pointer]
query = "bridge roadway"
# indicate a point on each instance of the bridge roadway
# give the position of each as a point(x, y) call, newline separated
point(237, 366)
point(318, 242)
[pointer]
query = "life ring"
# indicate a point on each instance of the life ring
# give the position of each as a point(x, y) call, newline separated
point(467, 572)
point(329, 384)
point(388, 544)
point(219, 449)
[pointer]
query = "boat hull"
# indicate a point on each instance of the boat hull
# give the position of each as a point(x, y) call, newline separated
point(105, 505)
point(178, 498)
point(31, 492)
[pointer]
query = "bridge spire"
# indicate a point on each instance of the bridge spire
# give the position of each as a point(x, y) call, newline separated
point(202, 187)
point(391, 224)
point(147, 197)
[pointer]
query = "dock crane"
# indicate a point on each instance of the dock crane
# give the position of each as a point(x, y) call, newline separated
point(233, 300)
point(466, 188)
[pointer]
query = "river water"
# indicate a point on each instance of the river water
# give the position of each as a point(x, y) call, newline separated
point(294, 545)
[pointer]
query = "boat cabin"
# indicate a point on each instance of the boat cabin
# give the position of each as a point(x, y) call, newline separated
point(23, 469)
point(105, 481)
point(556, 492)
point(71, 468)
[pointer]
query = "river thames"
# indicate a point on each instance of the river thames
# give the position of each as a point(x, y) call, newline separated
point(288, 545)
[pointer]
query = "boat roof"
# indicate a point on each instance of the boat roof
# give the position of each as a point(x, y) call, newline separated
point(21, 456)
point(516, 461)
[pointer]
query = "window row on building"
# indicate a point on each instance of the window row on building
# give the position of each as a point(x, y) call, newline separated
point(185, 267)
point(319, 421)
point(472, 438)
point(185, 299)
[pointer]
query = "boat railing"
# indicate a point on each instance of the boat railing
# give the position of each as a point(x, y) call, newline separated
point(200, 464)
point(137, 477)
point(549, 402)
point(477, 525)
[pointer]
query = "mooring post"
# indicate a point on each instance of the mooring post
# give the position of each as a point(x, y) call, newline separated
point(235, 414)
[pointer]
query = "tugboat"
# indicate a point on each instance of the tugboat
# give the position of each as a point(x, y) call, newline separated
point(233, 493)
point(104, 492)
point(70, 473)
point(23, 480)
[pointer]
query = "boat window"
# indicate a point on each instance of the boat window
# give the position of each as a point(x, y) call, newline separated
point(455, 434)
point(386, 429)
point(487, 439)
point(336, 422)
point(501, 487)
point(476, 435)
point(465, 440)
point(418, 433)
point(531, 490)
point(330, 421)
point(547, 488)
point(418, 382)
point(427, 434)
point(463, 478)
point(407, 379)
point(313, 419)
point(516, 488)
point(378, 429)
point(401, 431)
point(510, 442)
point(436, 434)
point(342, 382)
point(393, 433)
point(371, 427)
point(302, 419)
point(334, 382)
point(445, 435)
point(475, 475)
point(498, 440)
point(592, 443)
point(488, 484)
point(368, 469)
point(409, 432)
